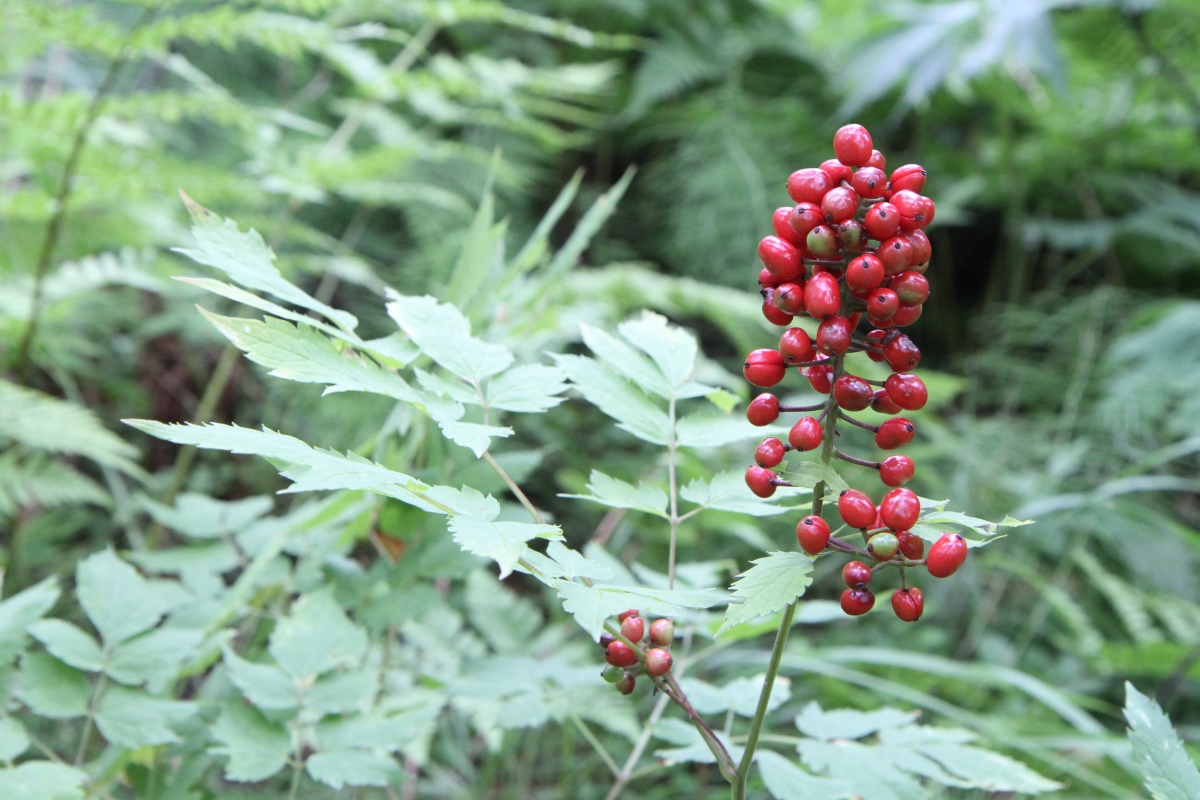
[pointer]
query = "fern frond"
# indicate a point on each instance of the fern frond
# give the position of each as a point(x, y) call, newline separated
point(43, 423)
point(45, 483)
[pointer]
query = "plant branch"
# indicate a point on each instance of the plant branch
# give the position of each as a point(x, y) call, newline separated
point(514, 488)
point(596, 744)
point(672, 446)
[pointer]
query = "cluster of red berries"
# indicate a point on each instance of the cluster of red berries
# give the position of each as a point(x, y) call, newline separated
point(626, 656)
point(852, 247)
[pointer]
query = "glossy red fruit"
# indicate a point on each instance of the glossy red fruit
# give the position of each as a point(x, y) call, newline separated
point(856, 509)
point(761, 481)
point(783, 228)
point(769, 453)
point(856, 574)
point(851, 393)
point(812, 533)
point(804, 217)
point(662, 632)
point(820, 377)
point(808, 185)
point(910, 286)
point(906, 390)
point(894, 433)
point(620, 654)
point(822, 242)
point(875, 340)
point(857, 602)
point(908, 603)
point(908, 203)
point(851, 235)
point(764, 367)
point(869, 183)
point(768, 279)
point(896, 470)
point(774, 314)
point(882, 304)
point(852, 145)
point(781, 257)
point(910, 177)
point(658, 662)
point(839, 203)
point(763, 410)
point(882, 404)
point(906, 314)
point(633, 628)
point(877, 160)
point(911, 545)
point(946, 555)
point(864, 273)
point(921, 249)
point(833, 336)
point(901, 354)
point(899, 509)
point(930, 210)
point(882, 546)
point(625, 684)
point(882, 221)
point(806, 434)
point(896, 253)
point(822, 296)
point(624, 615)
point(837, 171)
point(796, 346)
point(789, 298)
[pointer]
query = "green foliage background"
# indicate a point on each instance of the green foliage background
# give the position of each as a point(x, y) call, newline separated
point(362, 139)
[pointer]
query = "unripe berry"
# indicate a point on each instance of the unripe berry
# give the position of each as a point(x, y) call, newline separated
point(900, 509)
point(763, 410)
point(796, 346)
point(911, 545)
point(764, 367)
point(662, 632)
point(851, 393)
point(857, 602)
point(812, 533)
point(851, 235)
point(883, 546)
point(620, 654)
point(946, 555)
point(658, 662)
point(782, 258)
point(806, 434)
point(908, 603)
point(626, 684)
point(906, 390)
point(856, 574)
point(856, 509)
point(852, 145)
point(761, 481)
point(911, 287)
point(822, 241)
point(833, 336)
point(612, 674)
point(894, 433)
point(808, 185)
point(769, 453)
point(896, 470)
point(633, 628)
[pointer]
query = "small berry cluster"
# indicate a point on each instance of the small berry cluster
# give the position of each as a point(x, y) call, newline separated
point(626, 656)
point(853, 246)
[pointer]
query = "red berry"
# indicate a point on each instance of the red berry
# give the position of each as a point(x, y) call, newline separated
point(820, 377)
point(837, 171)
point(893, 433)
point(946, 555)
point(839, 203)
point(812, 533)
point(624, 615)
point(633, 628)
point(910, 177)
point(906, 390)
point(911, 287)
point(808, 185)
point(908, 203)
point(896, 470)
point(882, 221)
point(851, 235)
point(896, 253)
point(851, 393)
point(882, 304)
point(908, 603)
point(833, 336)
point(921, 249)
point(852, 145)
point(658, 662)
point(783, 228)
point(906, 314)
point(857, 602)
point(911, 545)
point(764, 367)
point(901, 354)
point(763, 410)
point(774, 314)
point(806, 434)
point(769, 453)
point(662, 632)
point(876, 160)
point(789, 298)
point(875, 340)
point(882, 546)
point(761, 481)
point(869, 182)
point(882, 404)
point(796, 346)
point(620, 654)
point(606, 639)
point(822, 296)
point(864, 273)
point(856, 509)
point(822, 241)
point(900, 509)
point(781, 257)
point(768, 279)
point(804, 217)
point(856, 574)
point(626, 683)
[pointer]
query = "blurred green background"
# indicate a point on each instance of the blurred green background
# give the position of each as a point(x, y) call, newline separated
point(1062, 338)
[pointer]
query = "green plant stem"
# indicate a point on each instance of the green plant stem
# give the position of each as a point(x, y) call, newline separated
point(626, 771)
point(62, 194)
point(596, 744)
point(514, 488)
point(831, 417)
point(672, 446)
point(86, 736)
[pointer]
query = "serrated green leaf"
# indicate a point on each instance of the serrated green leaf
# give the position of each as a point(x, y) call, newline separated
point(202, 517)
point(976, 768)
point(626, 360)
point(848, 723)
point(256, 749)
point(13, 739)
point(503, 542)
point(616, 493)
point(247, 260)
point(68, 644)
point(672, 349)
point(342, 692)
point(299, 353)
point(1166, 769)
point(341, 768)
point(593, 605)
point(20, 611)
point(843, 760)
point(530, 388)
point(727, 491)
point(389, 731)
point(809, 473)
point(51, 688)
point(482, 256)
point(474, 436)
point(710, 430)
point(739, 695)
point(315, 637)
point(264, 685)
point(617, 398)
point(775, 581)
point(129, 718)
point(576, 564)
point(42, 780)
point(444, 334)
point(787, 781)
point(118, 600)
